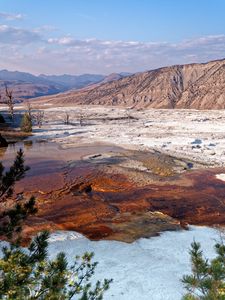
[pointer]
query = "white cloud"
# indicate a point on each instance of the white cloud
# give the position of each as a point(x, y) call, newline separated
point(66, 54)
point(45, 28)
point(10, 17)
point(14, 35)
point(67, 40)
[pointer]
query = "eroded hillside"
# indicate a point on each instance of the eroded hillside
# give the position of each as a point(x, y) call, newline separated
point(197, 86)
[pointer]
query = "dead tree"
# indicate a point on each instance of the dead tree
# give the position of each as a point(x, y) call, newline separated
point(29, 109)
point(39, 117)
point(66, 118)
point(128, 113)
point(10, 102)
point(81, 119)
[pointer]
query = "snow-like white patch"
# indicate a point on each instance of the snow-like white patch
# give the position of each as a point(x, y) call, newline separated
point(221, 176)
point(64, 236)
point(146, 269)
point(199, 137)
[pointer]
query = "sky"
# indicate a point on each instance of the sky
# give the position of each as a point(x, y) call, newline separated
point(106, 36)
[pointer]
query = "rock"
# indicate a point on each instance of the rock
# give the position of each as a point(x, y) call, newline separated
point(3, 142)
point(210, 152)
point(196, 147)
point(196, 142)
point(81, 188)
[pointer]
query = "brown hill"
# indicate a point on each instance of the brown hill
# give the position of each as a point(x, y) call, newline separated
point(198, 86)
point(25, 90)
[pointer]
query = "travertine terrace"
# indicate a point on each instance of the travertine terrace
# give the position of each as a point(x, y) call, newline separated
point(191, 134)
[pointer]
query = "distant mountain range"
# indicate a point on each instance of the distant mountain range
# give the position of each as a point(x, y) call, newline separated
point(26, 85)
point(197, 86)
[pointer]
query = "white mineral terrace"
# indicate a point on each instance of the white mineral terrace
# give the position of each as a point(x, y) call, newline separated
point(146, 269)
point(192, 134)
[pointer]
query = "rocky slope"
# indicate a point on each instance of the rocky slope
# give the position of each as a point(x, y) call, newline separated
point(198, 86)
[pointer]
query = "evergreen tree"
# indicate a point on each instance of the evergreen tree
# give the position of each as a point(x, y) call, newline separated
point(26, 123)
point(11, 218)
point(207, 281)
point(31, 275)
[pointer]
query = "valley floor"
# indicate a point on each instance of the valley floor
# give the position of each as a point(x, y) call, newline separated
point(192, 134)
point(147, 268)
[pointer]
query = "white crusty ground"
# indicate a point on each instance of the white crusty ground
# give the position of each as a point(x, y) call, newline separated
point(146, 269)
point(221, 176)
point(192, 134)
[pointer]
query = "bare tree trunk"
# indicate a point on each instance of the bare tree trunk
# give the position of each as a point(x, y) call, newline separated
point(81, 119)
point(10, 102)
point(67, 118)
point(29, 109)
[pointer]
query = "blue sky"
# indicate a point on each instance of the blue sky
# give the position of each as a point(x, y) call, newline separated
point(104, 36)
